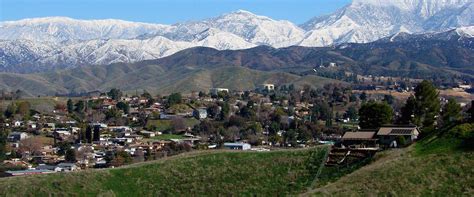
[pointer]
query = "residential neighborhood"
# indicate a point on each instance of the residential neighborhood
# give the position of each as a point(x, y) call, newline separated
point(112, 129)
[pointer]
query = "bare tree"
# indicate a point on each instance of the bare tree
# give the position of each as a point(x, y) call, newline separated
point(31, 146)
point(178, 124)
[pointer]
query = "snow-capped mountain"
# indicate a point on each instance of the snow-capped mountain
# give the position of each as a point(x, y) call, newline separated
point(259, 30)
point(59, 42)
point(368, 20)
point(60, 29)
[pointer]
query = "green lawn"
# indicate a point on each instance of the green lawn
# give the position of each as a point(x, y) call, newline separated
point(211, 173)
point(167, 137)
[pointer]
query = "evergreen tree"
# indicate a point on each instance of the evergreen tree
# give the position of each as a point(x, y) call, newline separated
point(124, 107)
point(70, 106)
point(427, 105)
point(11, 110)
point(88, 137)
point(373, 115)
point(408, 111)
point(451, 113)
point(70, 155)
point(115, 94)
point(3, 139)
point(351, 113)
point(174, 98)
point(80, 106)
point(96, 135)
point(363, 96)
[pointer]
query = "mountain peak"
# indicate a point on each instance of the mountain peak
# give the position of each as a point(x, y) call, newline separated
point(240, 11)
point(243, 14)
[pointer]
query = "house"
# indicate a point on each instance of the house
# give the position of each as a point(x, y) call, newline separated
point(200, 113)
point(394, 136)
point(267, 87)
point(17, 123)
point(215, 91)
point(148, 134)
point(49, 167)
point(17, 136)
point(360, 139)
point(68, 167)
point(237, 146)
point(62, 132)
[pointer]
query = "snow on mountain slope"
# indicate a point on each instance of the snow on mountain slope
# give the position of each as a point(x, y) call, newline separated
point(93, 52)
point(59, 29)
point(220, 40)
point(466, 31)
point(368, 20)
point(259, 30)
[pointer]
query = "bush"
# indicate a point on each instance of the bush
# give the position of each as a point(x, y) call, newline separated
point(401, 141)
point(463, 131)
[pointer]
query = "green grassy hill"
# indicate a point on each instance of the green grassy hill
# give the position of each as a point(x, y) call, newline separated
point(202, 173)
point(433, 167)
point(151, 77)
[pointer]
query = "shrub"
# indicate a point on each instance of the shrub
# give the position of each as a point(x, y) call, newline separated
point(463, 131)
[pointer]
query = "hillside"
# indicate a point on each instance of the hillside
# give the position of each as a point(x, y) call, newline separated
point(433, 167)
point(435, 56)
point(153, 76)
point(203, 173)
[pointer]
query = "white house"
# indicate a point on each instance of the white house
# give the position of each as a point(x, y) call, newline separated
point(17, 136)
point(215, 91)
point(237, 146)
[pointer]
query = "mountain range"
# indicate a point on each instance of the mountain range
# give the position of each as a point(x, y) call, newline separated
point(447, 55)
point(47, 44)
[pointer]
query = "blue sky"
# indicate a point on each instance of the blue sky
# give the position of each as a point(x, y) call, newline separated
point(165, 11)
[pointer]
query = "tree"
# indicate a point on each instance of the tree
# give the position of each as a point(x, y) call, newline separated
point(115, 94)
point(202, 94)
point(112, 114)
point(178, 124)
point(24, 109)
point(174, 98)
point(11, 110)
point(451, 113)
point(351, 113)
point(363, 96)
point(70, 106)
point(121, 158)
point(88, 134)
point(373, 115)
point(124, 107)
point(3, 139)
point(389, 99)
point(408, 111)
point(427, 104)
point(31, 146)
point(322, 111)
point(70, 155)
point(225, 110)
point(80, 106)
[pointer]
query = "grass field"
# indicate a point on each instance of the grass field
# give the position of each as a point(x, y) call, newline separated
point(167, 137)
point(209, 173)
point(41, 104)
point(433, 167)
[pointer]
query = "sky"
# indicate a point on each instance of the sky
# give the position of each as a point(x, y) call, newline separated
point(166, 11)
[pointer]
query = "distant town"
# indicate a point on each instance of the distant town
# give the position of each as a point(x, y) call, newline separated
point(112, 129)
